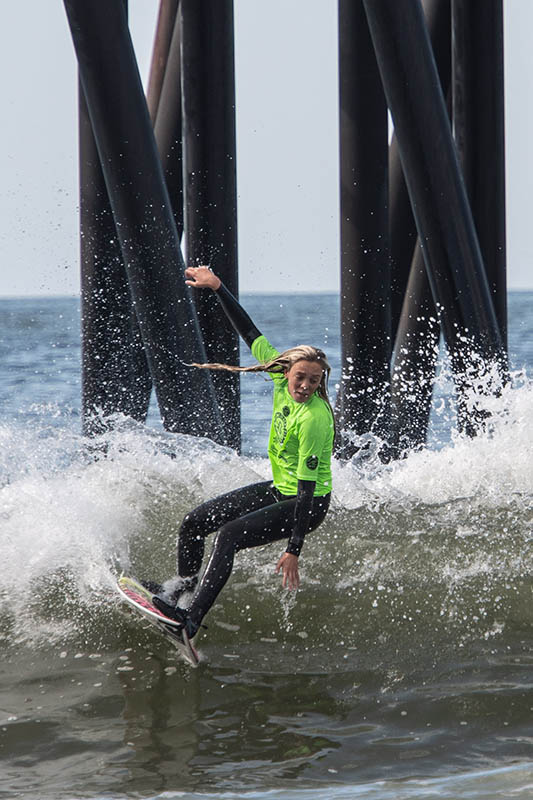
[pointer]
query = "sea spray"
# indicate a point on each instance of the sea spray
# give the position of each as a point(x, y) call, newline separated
point(430, 549)
point(407, 665)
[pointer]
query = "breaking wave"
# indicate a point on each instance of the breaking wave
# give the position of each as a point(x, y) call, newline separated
point(433, 551)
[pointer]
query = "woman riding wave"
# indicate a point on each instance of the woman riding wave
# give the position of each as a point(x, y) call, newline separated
point(288, 507)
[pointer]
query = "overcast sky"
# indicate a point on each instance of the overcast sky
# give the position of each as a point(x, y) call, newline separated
point(287, 134)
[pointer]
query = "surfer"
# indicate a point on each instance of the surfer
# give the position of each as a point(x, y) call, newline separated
point(288, 507)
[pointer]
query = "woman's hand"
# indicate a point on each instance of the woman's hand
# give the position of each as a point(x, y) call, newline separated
point(202, 278)
point(288, 564)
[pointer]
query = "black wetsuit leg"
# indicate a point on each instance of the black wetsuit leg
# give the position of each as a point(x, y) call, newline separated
point(211, 516)
point(269, 523)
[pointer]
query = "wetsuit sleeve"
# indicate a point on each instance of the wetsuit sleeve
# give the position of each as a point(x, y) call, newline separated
point(237, 315)
point(304, 505)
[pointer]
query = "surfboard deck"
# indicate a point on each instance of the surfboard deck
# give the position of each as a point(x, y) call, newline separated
point(139, 599)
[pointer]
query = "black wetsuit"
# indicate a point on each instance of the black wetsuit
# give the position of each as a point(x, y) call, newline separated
point(247, 517)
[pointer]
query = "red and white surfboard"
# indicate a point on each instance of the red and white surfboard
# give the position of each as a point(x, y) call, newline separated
point(140, 599)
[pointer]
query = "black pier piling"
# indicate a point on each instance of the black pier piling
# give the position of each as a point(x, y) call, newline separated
point(115, 374)
point(479, 130)
point(422, 221)
point(438, 197)
point(143, 217)
point(363, 402)
point(166, 20)
point(210, 180)
point(168, 127)
point(415, 321)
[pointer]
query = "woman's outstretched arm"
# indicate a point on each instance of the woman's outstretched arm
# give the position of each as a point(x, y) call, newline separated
point(288, 563)
point(204, 278)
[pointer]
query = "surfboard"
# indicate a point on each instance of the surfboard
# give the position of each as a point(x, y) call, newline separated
point(140, 600)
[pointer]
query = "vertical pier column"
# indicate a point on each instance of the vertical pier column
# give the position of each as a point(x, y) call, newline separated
point(363, 403)
point(143, 217)
point(479, 128)
point(115, 374)
point(210, 182)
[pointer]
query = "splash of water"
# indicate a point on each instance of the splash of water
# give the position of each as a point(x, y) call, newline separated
point(440, 540)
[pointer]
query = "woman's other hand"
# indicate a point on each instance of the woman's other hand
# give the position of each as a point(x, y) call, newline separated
point(202, 278)
point(288, 564)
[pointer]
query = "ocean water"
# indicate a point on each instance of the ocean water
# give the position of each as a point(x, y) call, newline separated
point(403, 668)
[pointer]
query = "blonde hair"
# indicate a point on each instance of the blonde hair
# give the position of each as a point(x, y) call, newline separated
point(283, 363)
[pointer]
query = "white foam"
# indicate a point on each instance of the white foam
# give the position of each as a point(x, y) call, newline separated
point(73, 518)
point(68, 516)
point(493, 468)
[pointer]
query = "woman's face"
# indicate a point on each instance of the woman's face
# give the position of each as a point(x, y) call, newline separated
point(303, 378)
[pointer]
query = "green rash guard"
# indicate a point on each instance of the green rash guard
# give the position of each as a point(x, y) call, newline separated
point(301, 434)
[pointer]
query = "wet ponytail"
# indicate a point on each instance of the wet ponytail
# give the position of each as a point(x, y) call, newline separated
point(283, 362)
